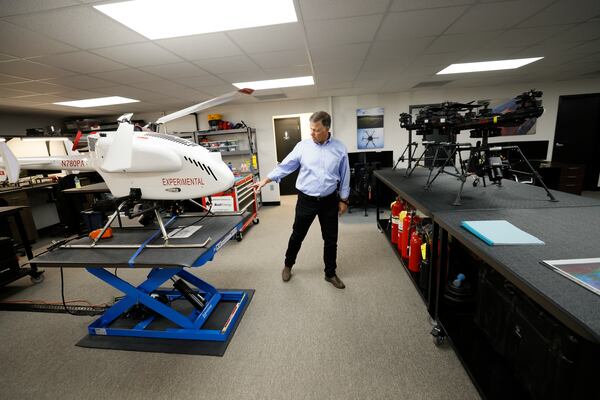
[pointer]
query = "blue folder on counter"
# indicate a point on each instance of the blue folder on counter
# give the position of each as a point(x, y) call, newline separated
point(499, 232)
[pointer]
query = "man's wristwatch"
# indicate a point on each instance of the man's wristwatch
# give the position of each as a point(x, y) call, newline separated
point(344, 201)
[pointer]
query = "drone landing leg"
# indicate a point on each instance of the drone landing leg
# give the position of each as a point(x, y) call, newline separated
point(409, 171)
point(162, 226)
point(441, 169)
point(109, 222)
point(536, 175)
point(432, 166)
point(401, 158)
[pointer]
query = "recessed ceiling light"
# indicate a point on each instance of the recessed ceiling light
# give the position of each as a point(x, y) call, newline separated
point(176, 18)
point(100, 101)
point(487, 66)
point(276, 83)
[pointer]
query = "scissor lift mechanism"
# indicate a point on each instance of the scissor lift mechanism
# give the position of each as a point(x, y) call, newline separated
point(116, 253)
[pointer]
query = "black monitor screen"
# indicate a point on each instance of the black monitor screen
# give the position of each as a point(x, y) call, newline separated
point(384, 158)
point(532, 149)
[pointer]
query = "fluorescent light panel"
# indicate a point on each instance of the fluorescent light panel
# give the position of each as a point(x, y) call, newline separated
point(487, 66)
point(276, 83)
point(98, 102)
point(160, 19)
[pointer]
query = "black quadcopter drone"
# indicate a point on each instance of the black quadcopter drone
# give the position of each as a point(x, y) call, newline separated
point(483, 160)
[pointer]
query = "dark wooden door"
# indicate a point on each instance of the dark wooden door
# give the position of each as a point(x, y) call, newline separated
point(287, 135)
point(577, 135)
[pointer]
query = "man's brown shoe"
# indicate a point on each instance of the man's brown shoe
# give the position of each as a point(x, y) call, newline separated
point(286, 274)
point(335, 281)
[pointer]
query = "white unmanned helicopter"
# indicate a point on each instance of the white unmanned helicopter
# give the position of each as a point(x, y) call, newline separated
point(159, 166)
point(140, 166)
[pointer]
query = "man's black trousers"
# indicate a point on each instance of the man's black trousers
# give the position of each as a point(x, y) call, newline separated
point(307, 208)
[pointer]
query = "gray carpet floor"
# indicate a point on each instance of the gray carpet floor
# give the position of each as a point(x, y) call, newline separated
point(302, 339)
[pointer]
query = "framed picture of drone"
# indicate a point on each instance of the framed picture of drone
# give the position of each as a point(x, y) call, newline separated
point(369, 128)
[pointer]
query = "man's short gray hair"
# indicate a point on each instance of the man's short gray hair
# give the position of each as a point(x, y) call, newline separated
point(322, 116)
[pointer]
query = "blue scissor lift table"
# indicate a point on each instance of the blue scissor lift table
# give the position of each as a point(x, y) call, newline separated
point(144, 248)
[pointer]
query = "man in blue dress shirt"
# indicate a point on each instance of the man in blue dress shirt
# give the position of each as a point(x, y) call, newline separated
point(323, 190)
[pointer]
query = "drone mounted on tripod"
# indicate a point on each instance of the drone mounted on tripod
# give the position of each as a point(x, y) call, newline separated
point(484, 160)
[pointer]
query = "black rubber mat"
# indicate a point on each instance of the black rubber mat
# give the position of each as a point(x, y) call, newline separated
point(217, 320)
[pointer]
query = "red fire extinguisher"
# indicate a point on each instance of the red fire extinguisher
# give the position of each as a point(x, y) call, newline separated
point(400, 229)
point(396, 208)
point(414, 255)
point(408, 227)
point(403, 243)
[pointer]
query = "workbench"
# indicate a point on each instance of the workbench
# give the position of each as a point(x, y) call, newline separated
point(165, 264)
point(521, 330)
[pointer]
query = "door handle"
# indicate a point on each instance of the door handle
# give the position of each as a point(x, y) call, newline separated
point(559, 145)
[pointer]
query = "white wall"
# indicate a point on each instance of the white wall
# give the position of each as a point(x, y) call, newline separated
point(260, 115)
point(344, 109)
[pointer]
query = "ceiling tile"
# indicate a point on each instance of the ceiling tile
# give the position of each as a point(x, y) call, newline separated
point(409, 24)
point(126, 76)
point(176, 70)
point(81, 61)
point(461, 42)
point(36, 87)
point(11, 79)
point(6, 91)
point(343, 30)
point(276, 59)
point(288, 72)
point(200, 47)
point(31, 70)
point(492, 53)
point(564, 12)
point(300, 92)
point(438, 60)
point(79, 94)
point(45, 98)
point(319, 9)
point(218, 90)
point(587, 47)
point(346, 67)
point(399, 49)
point(269, 38)
point(584, 31)
point(23, 43)
point(349, 76)
point(131, 92)
point(5, 57)
point(340, 53)
point(329, 84)
point(527, 36)
point(373, 67)
point(138, 54)
point(406, 5)
point(83, 27)
point(227, 64)
point(12, 7)
point(244, 76)
point(201, 81)
point(82, 82)
point(496, 16)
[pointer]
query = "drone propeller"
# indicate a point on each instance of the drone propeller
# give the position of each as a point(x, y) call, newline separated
point(203, 106)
